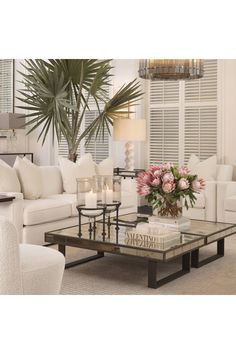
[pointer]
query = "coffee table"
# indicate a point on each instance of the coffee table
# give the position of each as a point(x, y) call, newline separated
point(200, 233)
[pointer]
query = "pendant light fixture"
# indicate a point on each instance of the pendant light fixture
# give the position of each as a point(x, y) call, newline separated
point(170, 69)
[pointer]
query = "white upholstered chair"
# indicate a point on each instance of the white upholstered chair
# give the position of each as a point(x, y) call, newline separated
point(27, 269)
point(206, 207)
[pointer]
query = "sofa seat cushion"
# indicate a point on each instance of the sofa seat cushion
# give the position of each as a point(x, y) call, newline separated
point(68, 198)
point(230, 203)
point(200, 202)
point(45, 210)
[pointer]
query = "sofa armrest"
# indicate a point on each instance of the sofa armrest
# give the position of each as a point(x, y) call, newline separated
point(224, 173)
point(210, 200)
point(224, 190)
point(13, 211)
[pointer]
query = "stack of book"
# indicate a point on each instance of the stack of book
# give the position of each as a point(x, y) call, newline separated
point(160, 237)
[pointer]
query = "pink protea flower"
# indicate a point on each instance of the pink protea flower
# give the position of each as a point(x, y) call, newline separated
point(183, 171)
point(143, 190)
point(143, 177)
point(168, 177)
point(157, 173)
point(154, 168)
point(198, 184)
point(168, 187)
point(183, 184)
point(156, 182)
point(167, 166)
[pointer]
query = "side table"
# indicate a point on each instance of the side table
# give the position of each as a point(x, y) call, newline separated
point(6, 198)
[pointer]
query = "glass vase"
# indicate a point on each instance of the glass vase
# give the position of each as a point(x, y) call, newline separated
point(170, 209)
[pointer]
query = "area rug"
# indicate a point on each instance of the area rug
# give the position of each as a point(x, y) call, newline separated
point(120, 275)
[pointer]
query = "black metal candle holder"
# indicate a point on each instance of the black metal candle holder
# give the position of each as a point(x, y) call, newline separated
point(100, 210)
point(111, 207)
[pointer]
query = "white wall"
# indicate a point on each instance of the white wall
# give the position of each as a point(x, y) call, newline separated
point(126, 70)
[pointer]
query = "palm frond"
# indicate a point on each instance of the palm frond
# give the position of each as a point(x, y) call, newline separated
point(58, 92)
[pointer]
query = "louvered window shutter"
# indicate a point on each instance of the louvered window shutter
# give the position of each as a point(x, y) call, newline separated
point(164, 122)
point(200, 128)
point(183, 118)
point(6, 85)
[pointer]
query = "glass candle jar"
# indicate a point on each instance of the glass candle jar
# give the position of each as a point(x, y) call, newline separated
point(112, 189)
point(86, 193)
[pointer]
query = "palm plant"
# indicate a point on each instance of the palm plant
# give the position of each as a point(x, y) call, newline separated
point(59, 92)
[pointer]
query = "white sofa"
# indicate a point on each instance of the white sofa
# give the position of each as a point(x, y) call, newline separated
point(226, 202)
point(55, 209)
point(206, 207)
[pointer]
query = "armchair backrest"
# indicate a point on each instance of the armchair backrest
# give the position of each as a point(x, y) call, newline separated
point(224, 172)
point(10, 274)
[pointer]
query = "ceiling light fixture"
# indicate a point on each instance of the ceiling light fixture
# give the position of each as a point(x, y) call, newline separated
point(170, 69)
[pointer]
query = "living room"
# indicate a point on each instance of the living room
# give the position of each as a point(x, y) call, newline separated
point(95, 224)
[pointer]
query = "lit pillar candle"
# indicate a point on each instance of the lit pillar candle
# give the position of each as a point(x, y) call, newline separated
point(91, 200)
point(109, 196)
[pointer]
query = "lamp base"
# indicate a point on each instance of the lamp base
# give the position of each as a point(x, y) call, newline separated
point(129, 156)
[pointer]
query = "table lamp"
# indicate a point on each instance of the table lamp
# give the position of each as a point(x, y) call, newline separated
point(129, 130)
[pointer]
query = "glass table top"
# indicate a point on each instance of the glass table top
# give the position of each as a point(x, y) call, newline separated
point(125, 242)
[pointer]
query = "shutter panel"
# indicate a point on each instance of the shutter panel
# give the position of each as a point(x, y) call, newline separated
point(205, 89)
point(200, 130)
point(164, 122)
point(6, 85)
point(164, 136)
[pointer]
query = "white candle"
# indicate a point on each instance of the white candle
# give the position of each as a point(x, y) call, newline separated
point(91, 200)
point(102, 196)
point(109, 196)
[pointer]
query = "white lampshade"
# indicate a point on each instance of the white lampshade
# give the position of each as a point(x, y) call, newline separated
point(129, 129)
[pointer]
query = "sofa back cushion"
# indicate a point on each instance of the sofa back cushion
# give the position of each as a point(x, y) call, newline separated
point(84, 167)
point(205, 169)
point(30, 178)
point(9, 181)
point(105, 167)
point(51, 180)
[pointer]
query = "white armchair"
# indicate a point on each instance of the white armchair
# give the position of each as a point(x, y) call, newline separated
point(205, 207)
point(27, 269)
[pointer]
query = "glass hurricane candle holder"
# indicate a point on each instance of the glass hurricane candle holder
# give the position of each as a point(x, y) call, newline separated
point(86, 193)
point(112, 189)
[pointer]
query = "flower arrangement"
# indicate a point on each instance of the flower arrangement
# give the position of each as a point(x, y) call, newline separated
point(166, 184)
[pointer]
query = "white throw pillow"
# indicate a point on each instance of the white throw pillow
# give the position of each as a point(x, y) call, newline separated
point(8, 178)
point(205, 169)
point(192, 162)
point(30, 178)
point(105, 167)
point(84, 167)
